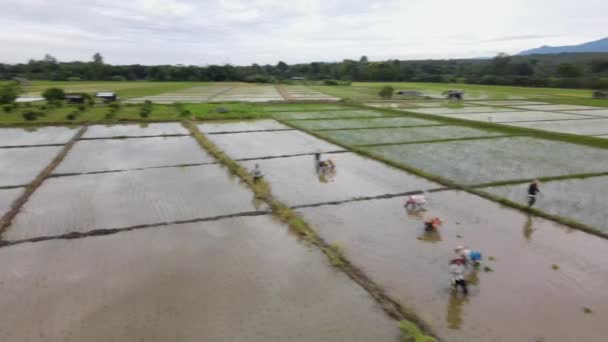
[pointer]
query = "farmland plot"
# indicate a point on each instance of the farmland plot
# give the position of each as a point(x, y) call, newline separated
point(500, 117)
point(35, 136)
point(362, 123)
point(507, 103)
point(305, 93)
point(125, 199)
point(577, 199)
point(7, 196)
point(490, 160)
point(594, 112)
point(555, 107)
point(391, 246)
point(228, 280)
point(241, 126)
point(460, 110)
point(405, 135)
point(19, 166)
point(123, 154)
point(109, 131)
point(249, 93)
point(404, 104)
point(270, 144)
point(328, 114)
point(190, 95)
point(583, 127)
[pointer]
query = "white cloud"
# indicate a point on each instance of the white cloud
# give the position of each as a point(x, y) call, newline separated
point(265, 31)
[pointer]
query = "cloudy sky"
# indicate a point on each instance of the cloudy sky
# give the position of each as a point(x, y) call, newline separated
point(242, 32)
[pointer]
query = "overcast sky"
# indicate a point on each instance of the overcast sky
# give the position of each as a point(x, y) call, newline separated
point(243, 32)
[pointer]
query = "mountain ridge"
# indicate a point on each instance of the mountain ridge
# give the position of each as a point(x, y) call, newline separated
point(600, 45)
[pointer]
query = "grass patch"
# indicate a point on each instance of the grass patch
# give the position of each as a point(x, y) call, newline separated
point(554, 267)
point(587, 310)
point(413, 334)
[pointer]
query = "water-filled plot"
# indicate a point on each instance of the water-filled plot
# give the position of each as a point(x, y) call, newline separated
point(405, 135)
point(390, 245)
point(594, 112)
point(500, 159)
point(233, 279)
point(36, 136)
point(558, 107)
point(297, 181)
point(122, 154)
point(582, 127)
point(582, 200)
point(507, 103)
point(124, 199)
point(270, 144)
point(20, 166)
point(7, 197)
point(460, 110)
point(328, 114)
point(501, 117)
point(362, 123)
point(108, 131)
point(240, 126)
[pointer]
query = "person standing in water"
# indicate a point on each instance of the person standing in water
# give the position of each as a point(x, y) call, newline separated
point(533, 191)
point(257, 174)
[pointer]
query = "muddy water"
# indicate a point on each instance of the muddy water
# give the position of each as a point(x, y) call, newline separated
point(584, 127)
point(35, 136)
point(577, 199)
point(516, 116)
point(239, 126)
point(556, 107)
point(464, 110)
point(7, 196)
point(269, 144)
point(523, 299)
point(296, 181)
point(19, 166)
point(242, 279)
point(120, 154)
point(116, 200)
point(362, 123)
point(106, 131)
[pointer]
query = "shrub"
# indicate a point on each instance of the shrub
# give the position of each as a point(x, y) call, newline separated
point(32, 115)
point(54, 94)
point(73, 115)
point(8, 93)
point(73, 79)
point(7, 108)
point(148, 103)
point(185, 113)
point(82, 107)
point(144, 112)
point(114, 105)
point(118, 78)
point(386, 92)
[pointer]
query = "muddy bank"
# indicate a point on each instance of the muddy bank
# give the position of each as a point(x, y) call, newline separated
point(269, 144)
point(538, 302)
point(116, 200)
point(36, 136)
point(121, 154)
point(296, 182)
point(19, 166)
point(229, 280)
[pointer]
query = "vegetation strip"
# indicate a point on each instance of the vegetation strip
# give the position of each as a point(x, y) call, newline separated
point(438, 140)
point(121, 137)
point(16, 206)
point(297, 224)
point(70, 174)
point(25, 146)
point(111, 231)
point(369, 198)
point(456, 186)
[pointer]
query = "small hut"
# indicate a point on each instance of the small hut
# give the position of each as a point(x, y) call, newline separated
point(74, 98)
point(457, 95)
point(600, 94)
point(107, 96)
point(411, 93)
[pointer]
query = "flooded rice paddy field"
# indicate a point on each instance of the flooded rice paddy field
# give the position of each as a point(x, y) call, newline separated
point(497, 159)
point(35, 136)
point(228, 280)
point(583, 200)
point(594, 112)
point(296, 180)
point(328, 114)
point(461, 110)
point(270, 144)
point(580, 127)
point(191, 95)
point(555, 107)
point(306, 93)
point(362, 123)
point(109, 131)
point(241, 126)
point(506, 103)
point(20, 166)
point(522, 299)
point(501, 117)
point(124, 199)
point(7, 197)
point(122, 154)
point(405, 134)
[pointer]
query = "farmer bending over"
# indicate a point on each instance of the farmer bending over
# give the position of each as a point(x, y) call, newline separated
point(533, 190)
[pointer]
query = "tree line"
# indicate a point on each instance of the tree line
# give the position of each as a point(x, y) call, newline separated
point(578, 70)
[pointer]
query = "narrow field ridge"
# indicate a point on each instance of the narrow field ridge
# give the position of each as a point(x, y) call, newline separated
point(253, 131)
point(136, 137)
point(23, 146)
point(57, 175)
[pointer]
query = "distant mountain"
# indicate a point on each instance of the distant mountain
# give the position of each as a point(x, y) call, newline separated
point(595, 46)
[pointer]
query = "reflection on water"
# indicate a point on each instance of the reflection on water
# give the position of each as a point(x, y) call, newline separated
point(415, 214)
point(430, 236)
point(528, 230)
point(454, 311)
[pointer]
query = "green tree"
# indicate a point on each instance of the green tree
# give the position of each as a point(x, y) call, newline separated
point(8, 93)
point(386, 92)
point(569, 70)
point(54, 94)
point(97, 58)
